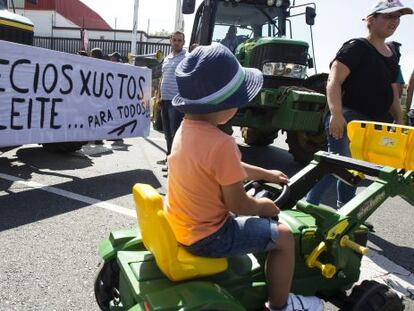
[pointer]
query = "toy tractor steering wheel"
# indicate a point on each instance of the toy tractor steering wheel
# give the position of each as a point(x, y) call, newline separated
point(259, 189)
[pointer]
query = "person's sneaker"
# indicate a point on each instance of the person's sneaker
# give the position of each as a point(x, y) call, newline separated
point(305, 303)
point(300, 303)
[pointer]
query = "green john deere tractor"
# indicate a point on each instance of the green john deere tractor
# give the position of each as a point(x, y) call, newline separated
point(20, 29)
point(256, 31)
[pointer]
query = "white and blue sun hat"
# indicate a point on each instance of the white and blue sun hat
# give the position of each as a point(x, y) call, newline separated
point(389, 6)
point(210, 79)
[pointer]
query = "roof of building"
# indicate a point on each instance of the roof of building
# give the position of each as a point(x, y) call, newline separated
point(74, 10)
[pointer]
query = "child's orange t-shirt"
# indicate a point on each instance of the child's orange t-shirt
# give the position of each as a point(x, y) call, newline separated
point(202, 159)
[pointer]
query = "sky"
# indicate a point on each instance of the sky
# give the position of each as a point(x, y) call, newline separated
point(336, 22)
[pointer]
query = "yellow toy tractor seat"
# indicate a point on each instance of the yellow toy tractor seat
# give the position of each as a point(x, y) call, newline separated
point(172, 259)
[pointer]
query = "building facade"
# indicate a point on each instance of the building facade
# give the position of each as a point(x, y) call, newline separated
point(58, 25)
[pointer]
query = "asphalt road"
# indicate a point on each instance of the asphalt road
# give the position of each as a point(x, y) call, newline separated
point(54, 209)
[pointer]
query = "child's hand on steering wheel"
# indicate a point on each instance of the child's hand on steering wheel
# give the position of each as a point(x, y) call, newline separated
point(277, 177)
point(268, 208)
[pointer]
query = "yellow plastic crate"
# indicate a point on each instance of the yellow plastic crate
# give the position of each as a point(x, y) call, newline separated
point(382, 143)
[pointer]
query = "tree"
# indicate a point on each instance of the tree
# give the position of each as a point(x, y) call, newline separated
point(161, 33)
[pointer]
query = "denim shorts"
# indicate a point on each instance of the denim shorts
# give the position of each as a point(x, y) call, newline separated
point(238, 236)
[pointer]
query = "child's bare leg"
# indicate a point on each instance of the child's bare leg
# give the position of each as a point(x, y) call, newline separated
point(280, 267)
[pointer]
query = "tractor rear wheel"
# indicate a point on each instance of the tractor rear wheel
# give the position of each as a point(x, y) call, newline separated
point(373, 296)
point(106, 282)
point(63, 147)
point(302, 145)
point(254, 137)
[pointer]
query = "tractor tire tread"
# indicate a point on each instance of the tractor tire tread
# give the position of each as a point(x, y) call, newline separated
point(373, 296)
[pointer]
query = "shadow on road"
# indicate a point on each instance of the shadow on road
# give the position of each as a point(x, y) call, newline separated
point(403, 256)
point(34, 160)
point(16, 208)
point(38, 158)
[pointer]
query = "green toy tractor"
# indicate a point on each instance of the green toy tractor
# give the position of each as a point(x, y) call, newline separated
point(149, 270)
point(259, 32)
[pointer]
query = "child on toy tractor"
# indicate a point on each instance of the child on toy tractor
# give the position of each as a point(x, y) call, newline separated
point(205, 188)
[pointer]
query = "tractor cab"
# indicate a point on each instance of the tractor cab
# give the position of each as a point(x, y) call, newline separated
point(260, 34)
point(274, 36)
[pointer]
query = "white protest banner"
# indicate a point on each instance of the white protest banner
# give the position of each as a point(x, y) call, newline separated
point(49, 96)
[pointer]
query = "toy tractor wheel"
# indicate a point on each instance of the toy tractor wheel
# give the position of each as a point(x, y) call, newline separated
point(373, 296)
point(254, 137)
point(106, 281)
point(63, 147)
point(302, 145)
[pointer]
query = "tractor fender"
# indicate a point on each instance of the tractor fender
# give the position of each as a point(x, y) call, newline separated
point(120, 240)
point(196, 295)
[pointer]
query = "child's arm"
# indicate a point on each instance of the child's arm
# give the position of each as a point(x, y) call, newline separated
point(258, 173)
point(238, 202)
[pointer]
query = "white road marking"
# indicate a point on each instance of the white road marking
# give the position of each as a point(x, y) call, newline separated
point(373, 267)
point(71, 195)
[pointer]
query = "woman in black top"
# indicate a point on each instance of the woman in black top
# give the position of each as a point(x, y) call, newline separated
point(361, 86)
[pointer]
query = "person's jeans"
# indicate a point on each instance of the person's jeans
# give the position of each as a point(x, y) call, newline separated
point(340, 146)
point(411, 117)
point(171, 120)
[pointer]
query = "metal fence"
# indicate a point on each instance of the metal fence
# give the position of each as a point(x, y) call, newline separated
point(73, 45)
